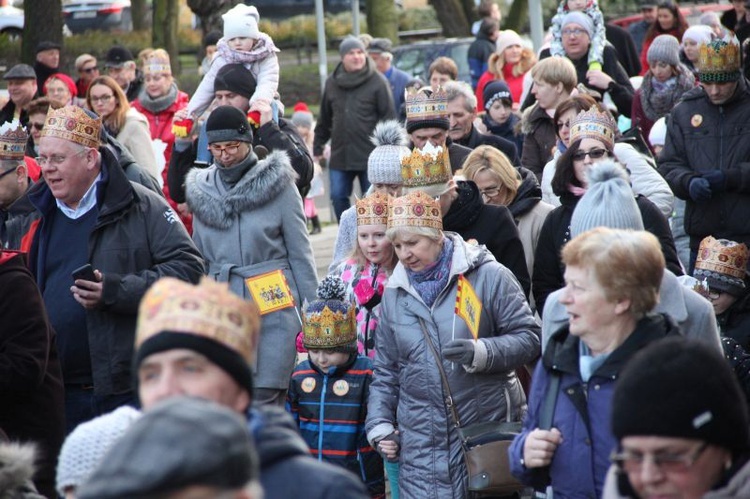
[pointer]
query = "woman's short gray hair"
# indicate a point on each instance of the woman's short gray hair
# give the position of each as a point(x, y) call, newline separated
point(396, 232)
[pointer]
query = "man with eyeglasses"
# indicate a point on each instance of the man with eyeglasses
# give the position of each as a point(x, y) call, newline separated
point(90, 213)
point(87, 71)
point(21, 80)
point(638, 29)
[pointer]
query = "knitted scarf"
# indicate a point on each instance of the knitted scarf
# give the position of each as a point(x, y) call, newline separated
point(658, 98)
point(263, 48)
point(230, 175)
point(158, 104)
point(430, 281)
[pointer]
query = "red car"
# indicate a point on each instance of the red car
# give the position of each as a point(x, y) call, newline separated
point(691, 13)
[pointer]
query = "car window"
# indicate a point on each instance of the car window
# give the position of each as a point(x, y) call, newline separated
point(411, 61)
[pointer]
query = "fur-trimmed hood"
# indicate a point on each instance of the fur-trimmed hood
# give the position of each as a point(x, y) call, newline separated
point(16, 470)
point(217, 206)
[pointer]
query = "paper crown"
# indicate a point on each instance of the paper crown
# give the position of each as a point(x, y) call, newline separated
point(156, 66)
point(74, 124)
point(208, 310)
point(13, 140)
point(723, 263)
point(423, 104)
point(719, 60)
point(593, 124)
point(429, 166)
point(329, 322)
point(373, 210)
point(416, 209)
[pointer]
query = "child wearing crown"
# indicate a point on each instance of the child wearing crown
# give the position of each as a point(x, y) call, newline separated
point(328, 392)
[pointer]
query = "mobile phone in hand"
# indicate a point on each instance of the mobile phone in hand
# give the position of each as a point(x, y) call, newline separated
point(85, 272)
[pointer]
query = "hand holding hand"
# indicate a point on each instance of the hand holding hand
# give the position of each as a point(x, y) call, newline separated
point(461, 351)
point(540, 446)
point(699, 189)
point(717, 180)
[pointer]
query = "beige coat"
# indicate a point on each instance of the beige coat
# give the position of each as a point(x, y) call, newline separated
point(135, 136)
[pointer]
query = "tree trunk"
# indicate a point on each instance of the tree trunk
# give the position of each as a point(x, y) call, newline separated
point(382, 19)
point(165, 30)
point(452, 17)
point(470, 10)
point(517, 16)
point(210, 11)
point(139, 14)
point(40, 26)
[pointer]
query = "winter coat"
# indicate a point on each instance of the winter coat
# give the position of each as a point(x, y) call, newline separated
point(397, 80)
point(548, 268)
point(479, 54)
point(693, 314)
point(31, 389)
point(475, 139)
point(644, 114)
point(739, 359)
point(257, 226)
point(638, 32)
point(135, 136)
point(734, 322)
point(624, 45)
point(16, 470)
point(134, 87)
point(330, 410)
point(286, 467)
point(704, 137)
point(8, 112)
point(539, 139)
point(407, 386)
point(582, 410)
point(491, 226)
point(510, 130)
point(352, 104)
point(136, 240)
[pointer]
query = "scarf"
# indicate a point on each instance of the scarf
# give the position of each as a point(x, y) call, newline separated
point(658, 98)
point(230, 175)
point(262, 49)
point(430, 281)
point(158, 104)
point(576, 191)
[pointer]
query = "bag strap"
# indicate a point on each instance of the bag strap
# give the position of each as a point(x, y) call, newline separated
point(448, 397)
point(541, 478)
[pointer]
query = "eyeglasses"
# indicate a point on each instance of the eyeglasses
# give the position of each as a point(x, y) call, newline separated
point(8, 172)
point(489, 193)
point(89, 70)
point(574, 31)
point(667, 462)
point(36, 126)
point(593, 154)
point(56, 159)
point(217, 150)
point(561, 124)
point(713, 294)
point(103, 99)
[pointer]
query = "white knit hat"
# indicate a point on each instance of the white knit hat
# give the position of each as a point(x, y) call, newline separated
point(505, 39)
point(658, 134)
point(241, 21)
point(85, 447)
point(384, 162)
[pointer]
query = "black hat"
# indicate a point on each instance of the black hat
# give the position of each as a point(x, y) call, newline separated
point(235, 78)
point(228, 123)
point(117, 56)
point(212, 38)
point(179, 443)
point(42, 46)
point(681, 388)
point(20, 72)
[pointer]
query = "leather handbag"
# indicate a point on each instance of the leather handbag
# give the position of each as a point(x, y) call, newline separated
point(484, 445)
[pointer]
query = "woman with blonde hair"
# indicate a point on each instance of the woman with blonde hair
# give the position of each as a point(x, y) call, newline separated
point(510, 62)
point(124, 123)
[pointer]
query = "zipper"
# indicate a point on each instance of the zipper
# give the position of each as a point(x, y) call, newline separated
point(321, 416)
point(507, 404)
point(721, 137)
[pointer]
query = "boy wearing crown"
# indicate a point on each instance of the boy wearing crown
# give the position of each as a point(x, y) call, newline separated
point(328, 392)
point(706, 156)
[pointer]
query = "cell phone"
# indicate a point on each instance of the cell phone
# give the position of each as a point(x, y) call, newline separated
point(85, 272)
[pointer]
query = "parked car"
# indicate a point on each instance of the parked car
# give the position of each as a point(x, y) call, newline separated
point(106, 15)
point(415, 58)
point(11, 21)
point(691, 12)
point(281, 9)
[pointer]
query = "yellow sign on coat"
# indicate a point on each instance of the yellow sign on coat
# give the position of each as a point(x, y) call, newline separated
point(270, 291)
point(468, 305)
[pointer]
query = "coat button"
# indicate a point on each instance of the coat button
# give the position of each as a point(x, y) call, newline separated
point(596, 387)
point(570, 391)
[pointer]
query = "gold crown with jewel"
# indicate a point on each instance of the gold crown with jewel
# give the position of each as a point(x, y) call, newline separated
point(13, 140)
point(430, 166)
point(593, 124)
point(373, 210)
point(416, 209)
point(329, 327)
point(719, 61)
point(424, 104)
point(74, 124)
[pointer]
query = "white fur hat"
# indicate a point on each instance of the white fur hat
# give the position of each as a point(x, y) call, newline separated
point(241, 21)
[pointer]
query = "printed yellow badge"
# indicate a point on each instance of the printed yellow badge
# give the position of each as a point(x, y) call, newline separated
point(270, 291)
point(308, 384)
point(341, 387)
point(468, 305)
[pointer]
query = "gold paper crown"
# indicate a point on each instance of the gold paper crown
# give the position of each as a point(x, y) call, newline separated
point(73, 124)
point(719, 60)
point(593, 124)
point(13, 140)
point(723, 257)
point(416, 209)
point(157, 66)
point(373, 210)
point(209, 310)
point(328, 328)
point(431, 165)
point(421, 106)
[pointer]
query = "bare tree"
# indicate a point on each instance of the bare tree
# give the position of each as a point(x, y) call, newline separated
point(452, 17)
point(210, 11)
point(165, 30)
point(139, 14)
point(40, 26)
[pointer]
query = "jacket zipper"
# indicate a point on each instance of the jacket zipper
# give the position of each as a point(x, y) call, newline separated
point(321, 416)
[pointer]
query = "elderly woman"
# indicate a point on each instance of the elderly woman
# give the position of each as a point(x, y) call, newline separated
point(417, 308)
point(128, 126)
point(612, 280)
point(681, 424)
point(591, 140)
point(510, 62)
point(61, 90)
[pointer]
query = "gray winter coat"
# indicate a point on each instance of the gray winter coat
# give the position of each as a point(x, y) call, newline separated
point(254, 227)
point(407, 381)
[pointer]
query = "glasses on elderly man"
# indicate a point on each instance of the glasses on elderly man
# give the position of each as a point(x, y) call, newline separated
point(631, 461)
point(8, 172)
point(574, 32)
point(229, 148)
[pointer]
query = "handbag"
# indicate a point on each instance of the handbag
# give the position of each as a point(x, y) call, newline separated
point(484, 445)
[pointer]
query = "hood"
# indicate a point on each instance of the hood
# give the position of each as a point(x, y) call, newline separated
point(353, 80)
point(217, 207)
point(16, 469)
point(276, 435)
point(528, 195)
point(465, 210)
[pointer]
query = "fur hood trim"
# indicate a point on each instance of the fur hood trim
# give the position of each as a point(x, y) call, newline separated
point(16, 467)
point(528, 119)
point(261, 184)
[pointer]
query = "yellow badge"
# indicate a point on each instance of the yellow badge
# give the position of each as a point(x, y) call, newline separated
point(308, 385)
point(341, 388)
point(696, 120)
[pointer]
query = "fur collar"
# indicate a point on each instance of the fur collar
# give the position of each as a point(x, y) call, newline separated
point(217, 206)
point(16, 467)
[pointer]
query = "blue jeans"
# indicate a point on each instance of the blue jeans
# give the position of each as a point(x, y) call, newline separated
point(342, 183)
point(82, 405)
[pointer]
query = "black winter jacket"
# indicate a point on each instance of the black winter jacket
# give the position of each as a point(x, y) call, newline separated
point(476, 139)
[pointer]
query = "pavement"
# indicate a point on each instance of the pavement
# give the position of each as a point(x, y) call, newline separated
point(322, 245)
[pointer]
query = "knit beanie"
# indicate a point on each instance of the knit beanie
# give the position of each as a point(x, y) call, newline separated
point(664, 48)
point(328, 323)
point(709, 18)
point(580, 19)
point(67, 80)
point(237, 79)
point(350, 43)
point(85, 447)
point(723, 264)
point(384, 162)
point(658, 134)
point(699, 34)
point(241, 21)
point(496, 90)
point(507, 38)
point(608, 202)
point(302, 117)
point(228, 123)
point(678, 388)
point(206, 318)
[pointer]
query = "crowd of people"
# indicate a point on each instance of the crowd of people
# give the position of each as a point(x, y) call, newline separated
point(561, 244)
